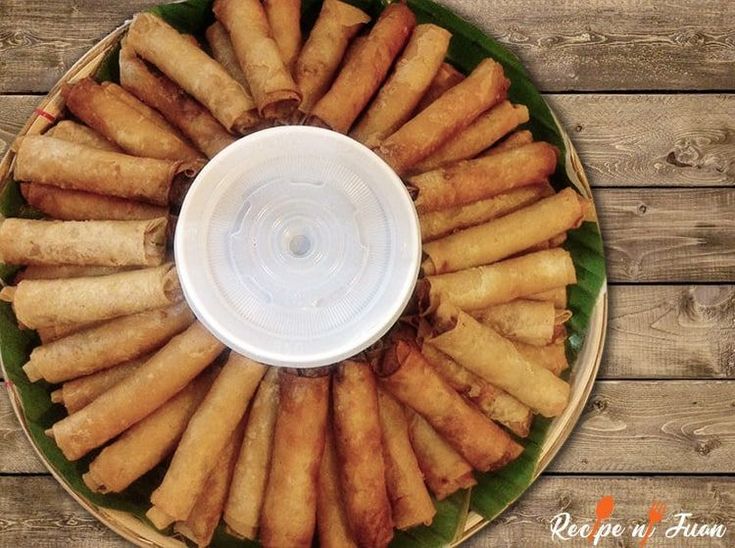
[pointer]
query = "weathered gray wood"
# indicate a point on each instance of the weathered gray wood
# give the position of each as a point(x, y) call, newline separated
point(14, 111)
point(16, 453)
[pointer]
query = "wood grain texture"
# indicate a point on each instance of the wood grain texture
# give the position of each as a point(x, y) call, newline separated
point(14, 111)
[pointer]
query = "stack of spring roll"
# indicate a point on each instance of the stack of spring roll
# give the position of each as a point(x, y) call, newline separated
point(349, 452)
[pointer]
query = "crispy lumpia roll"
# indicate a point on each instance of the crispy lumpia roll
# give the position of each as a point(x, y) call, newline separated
point(108, 344)
point(409, 498)
point(494, 358)
point(445, 117)
point(446, 77)
point(223, 52)
point(93, 243)
point(323, 51)
point(400, 94)
point(244, 503)
point(271, 84)
point(514, 140)
point(557, 295)
point(359, 445)
point(53, 272)
point(157, 90)
point(192, 69)
point(160, 378)
point(56, 332)
point(206, 434)
point(502, 282)
point(483, 133)
point(552, 356)
point(415, 383)
point(43, 303)
point(122, 94)
point(505, 236)
point(289, 508)
point(361, 77)
point(284, 18)
point(147, 442)
point(436, 224)
point(445, 471)
point(530, 322)
point(472, 180)
point(66, 130)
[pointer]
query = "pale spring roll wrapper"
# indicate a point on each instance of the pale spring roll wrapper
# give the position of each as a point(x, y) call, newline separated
point(223, 52)
point(552, 356)
point(53, 272)
point(274, 91)
point(505, 236)
point(134, 398)
point(366, 69)
point(192, 69)
point(445, 471)
point(323, 51)
point(435, 224)
point(56, 332)
point(244, 503)
point(92, 243)
point(188, 115)
point(446, 117)
point(108, 344)
point(495, 359)
point(70, 131)
point(530, 322)
point(358, 439)
point(148, 442)
point(557, 295)
point(411, 77)
point(446, 77)
point(472, 180)
point(483, 133)
point(44, 303)
point(514, 140)
point(207, 434)
point(502, 282)
point(284, 18)
point(289, 508)
point(52, 161)
point(410, 500)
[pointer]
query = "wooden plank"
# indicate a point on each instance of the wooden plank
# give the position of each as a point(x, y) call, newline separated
point(16, 453)
point(14, 111)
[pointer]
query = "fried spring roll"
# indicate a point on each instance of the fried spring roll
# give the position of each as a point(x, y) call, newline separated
point(66, 130)
point(289, 508)
point(557, 295)
point(56, 332)
point(410, 79)
point(514, 140)
point(359, 445)
point(409, 498)
point(530, 322)
point(284, 18)
point(162, 376)
point(270, 82)
point(192, 69)
point(223, 52)
point(447, 77)
point(206, 434)
point(44, 303)
point(92, 243)
point(472, 180)
point(494, 358)
point(505, 236)
point(445, 117)
point(157, 90)
point(483, 133)
point(147, 442)
point(552, 356)
point(244, 503)
point(53, 272)
point(323, 51)
point(502, 282)
point(139, 106)
point(361, 77)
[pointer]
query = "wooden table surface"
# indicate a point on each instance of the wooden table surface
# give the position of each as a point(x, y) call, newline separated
point(647, 91)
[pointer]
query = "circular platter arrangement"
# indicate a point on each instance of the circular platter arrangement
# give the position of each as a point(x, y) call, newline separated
point(396, 409)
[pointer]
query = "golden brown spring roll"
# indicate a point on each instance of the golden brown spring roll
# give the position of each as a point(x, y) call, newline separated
point(206, 434)
point(472, 180)
point(485, 445)
point(483, 133)
point(271, 84)
point(93, 243)
point(53, 272)
point(447, 77)
point(361, 77)
point(445, 117)
point(552, 356)
point(66, 130)
point(557, 295)
point(148, 442)
point(51, 161)
point(108, 344)
point(505, 236)
point(56, 332)
point(44, 303)
point(223, 52)
point(244, 503)
point(514, 140)
point(445, 471)
point(284, 18)
point(289, 508)
point(409, 498)
point(494, 358)
point(436, 224)
point(323, 51)
point(162, 376)
point(120, 93)
point(192, 69)
point(358, 439)
point(412, 76)
point(157, 90)
point(530, 322)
